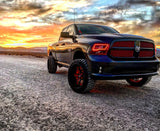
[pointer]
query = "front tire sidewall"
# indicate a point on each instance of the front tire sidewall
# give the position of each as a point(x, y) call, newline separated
point(88, 83)
point(51, 65)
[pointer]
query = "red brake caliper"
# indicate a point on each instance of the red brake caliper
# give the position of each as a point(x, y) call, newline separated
point(79, 75)
point(136, 80)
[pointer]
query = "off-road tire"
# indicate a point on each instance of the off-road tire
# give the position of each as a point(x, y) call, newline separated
point(140, 83)
point(52, 65)
point(87, 84)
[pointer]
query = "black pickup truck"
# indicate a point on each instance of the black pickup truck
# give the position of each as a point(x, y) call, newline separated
point(96, 52)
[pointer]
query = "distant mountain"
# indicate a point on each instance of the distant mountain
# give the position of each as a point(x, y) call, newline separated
point(22, 49)
point(36, 51)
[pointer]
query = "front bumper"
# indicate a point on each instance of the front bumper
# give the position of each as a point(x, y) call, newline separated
point(121, 76)
point(103, 67)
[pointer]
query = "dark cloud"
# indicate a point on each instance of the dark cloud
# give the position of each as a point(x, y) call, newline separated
point(114, 13)
point(43, 11)
point(108, 14)
point(68, 12)
point(98, 19)
point(2, 9)
point(15, 5)
point(27, 6)
point(5, 5)
point(123, 8)
point(142, 2)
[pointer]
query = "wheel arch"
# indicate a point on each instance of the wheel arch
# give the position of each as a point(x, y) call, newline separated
point(50, 53)
point(79, 54)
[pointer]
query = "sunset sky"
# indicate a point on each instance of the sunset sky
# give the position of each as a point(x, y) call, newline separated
point(37, 23)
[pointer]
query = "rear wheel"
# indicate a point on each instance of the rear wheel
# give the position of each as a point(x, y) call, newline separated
point(79, 77)
point(138, 81)
point(52, 65)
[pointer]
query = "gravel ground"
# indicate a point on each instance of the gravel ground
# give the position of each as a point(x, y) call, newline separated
point(31, 99)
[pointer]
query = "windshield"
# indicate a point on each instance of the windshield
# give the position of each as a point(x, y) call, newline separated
point(94, 29)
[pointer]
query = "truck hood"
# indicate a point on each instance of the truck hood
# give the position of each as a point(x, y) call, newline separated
point(106, 36)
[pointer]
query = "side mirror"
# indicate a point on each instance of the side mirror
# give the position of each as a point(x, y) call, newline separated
point(65, 34)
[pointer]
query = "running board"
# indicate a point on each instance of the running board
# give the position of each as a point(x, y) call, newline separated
point(62, 64)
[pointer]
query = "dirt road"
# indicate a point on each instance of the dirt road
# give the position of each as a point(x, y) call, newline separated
point(31, 99)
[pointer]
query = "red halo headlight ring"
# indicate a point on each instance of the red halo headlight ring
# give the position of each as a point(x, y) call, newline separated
point(100, 49)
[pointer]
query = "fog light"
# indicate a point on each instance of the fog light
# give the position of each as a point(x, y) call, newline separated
point(100, 69)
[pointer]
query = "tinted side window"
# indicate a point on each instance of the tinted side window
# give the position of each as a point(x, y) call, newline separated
point(71, 30)
point(65, 29)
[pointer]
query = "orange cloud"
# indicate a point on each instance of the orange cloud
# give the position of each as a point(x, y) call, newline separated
point(35, 37)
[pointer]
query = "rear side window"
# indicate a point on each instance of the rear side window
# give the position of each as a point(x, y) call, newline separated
point(71, 30)
point(65, 29)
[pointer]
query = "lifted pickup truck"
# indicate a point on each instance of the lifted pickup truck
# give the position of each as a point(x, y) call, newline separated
point(96, 52)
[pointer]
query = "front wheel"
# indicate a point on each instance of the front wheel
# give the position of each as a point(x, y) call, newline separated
point(51, 65)
point(79, 76)
point(138, 81)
